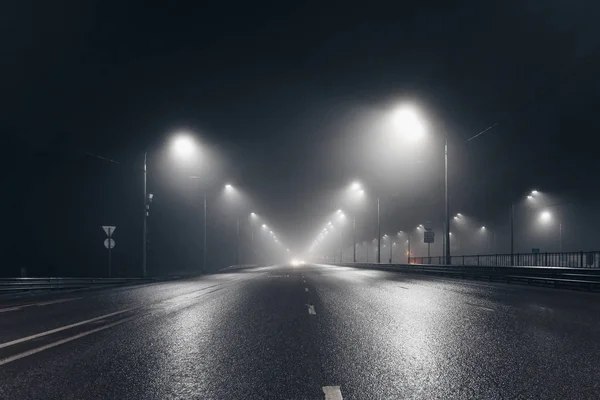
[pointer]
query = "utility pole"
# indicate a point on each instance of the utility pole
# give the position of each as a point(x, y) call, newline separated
point(354, 237)
point(341, 245)
point(448, 259)
point(512, 234)
point(144, 229)
point(378, 234)
point(205, 248)
point(560, 237)
point(237, 247)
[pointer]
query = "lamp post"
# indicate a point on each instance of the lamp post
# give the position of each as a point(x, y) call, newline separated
point(378, 234)
point(447, 233)
point(145, 229)
point(411, 124)
point(530, 196)
point(184, 147)
point(354, 237)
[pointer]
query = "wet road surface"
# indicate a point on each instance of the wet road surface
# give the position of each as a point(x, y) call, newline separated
point(307, 332)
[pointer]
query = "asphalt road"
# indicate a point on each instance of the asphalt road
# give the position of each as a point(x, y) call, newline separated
point(287, 332)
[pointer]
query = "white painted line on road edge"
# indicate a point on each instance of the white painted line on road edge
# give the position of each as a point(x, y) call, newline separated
point(480, 307)
point(62, 341)
point(311, 309)
point(37, 335)
point(332, 393)
point(306, 289)
point(45, 303)
point(9, 309)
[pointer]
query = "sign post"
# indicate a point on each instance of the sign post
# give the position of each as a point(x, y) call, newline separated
point(109, 243)
point(428, 237)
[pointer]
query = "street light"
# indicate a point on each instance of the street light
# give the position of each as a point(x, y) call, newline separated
point(409, 122)
point(183, 146)
point(229, 189)
point(411, 125)
point(545, 216)
point(512, 226)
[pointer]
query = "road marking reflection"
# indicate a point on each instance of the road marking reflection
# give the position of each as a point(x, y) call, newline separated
point(59, 342)
point(332, 393)
point(37, 335)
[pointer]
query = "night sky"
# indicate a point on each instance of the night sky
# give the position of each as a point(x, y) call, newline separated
point(289, 98)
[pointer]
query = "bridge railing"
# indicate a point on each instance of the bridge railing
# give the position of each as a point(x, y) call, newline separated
point(46, 284)
point(580, 259)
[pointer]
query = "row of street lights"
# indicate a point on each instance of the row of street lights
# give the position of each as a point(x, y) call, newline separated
point(185, 148)
point(357, 192)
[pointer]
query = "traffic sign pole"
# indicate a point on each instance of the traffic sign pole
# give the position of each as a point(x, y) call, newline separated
point(109, 253)
point(109, 243)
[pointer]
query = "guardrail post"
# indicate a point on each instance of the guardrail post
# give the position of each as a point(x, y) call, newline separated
point(581, 259)
point(546, 259)
point(463, 259)
point(477, 259)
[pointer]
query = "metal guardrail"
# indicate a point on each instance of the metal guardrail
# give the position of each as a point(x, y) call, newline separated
point(19, 285)
point(580, 259)
point(238, 266)
point(583, 278)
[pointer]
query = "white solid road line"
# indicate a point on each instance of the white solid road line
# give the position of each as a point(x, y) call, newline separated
point(59, 342)
point(332, 393)
point(37, 335)
point(311, 309)
point(45, 303)
point(481, 307)
point(9, 309)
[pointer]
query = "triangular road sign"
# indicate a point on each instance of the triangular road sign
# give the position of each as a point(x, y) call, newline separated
point(109, 230)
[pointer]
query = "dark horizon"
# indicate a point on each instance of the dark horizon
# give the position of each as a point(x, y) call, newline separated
point(289, 99)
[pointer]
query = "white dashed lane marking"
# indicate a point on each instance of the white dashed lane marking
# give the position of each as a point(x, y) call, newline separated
point(332, 393)
point(311, 309)
point(306, 289)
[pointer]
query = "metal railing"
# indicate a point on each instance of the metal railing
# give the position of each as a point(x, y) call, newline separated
point(581, 259)
point(567, 277)
point(20, 285)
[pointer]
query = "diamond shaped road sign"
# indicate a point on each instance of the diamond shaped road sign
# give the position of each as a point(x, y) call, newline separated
point(109, 230)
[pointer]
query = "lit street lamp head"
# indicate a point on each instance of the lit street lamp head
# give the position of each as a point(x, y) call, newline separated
point(409, 123)
point(183, 146)
point(545, 216)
